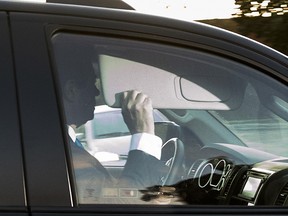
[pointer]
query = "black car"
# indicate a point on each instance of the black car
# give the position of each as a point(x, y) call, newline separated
point(225, 97)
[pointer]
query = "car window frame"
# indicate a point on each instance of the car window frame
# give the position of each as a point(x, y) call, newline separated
point(69, 27)
point(36, 95)
point(96, 204)
point(12, 179)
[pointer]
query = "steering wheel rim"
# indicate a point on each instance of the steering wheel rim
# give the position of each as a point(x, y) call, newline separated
point(175, 162)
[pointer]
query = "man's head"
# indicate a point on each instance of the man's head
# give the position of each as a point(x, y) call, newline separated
point(77, 80)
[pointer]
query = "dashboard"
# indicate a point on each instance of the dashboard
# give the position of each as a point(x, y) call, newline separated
point(225, 174)
point(224, 181)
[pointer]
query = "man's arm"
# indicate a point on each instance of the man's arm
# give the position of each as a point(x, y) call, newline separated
point(143, 167)
point(137, 111)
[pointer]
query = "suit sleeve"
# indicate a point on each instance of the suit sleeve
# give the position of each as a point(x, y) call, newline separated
point(142, 170)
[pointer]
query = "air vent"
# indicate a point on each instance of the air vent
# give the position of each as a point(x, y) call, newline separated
point(282, 196)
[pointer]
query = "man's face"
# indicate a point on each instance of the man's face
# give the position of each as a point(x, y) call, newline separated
point(86, 100)
point(80, 107)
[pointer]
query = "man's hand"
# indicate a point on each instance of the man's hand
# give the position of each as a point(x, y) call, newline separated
point(137, 111)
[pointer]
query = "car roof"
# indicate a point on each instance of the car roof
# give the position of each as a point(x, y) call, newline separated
point(118, 4)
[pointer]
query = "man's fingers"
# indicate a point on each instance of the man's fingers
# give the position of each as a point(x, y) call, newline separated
point(148, 102)
point(132, 98)
point(137, 111)
point(124, 99)
point(140, 98)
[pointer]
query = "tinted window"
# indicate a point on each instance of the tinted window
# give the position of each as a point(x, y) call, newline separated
point(231, 120)
point(256, 125)
point(111, 125)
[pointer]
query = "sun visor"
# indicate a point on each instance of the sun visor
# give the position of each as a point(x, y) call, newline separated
point(167, 90)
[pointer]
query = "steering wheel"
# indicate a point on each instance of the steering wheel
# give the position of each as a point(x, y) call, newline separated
point(175, 162)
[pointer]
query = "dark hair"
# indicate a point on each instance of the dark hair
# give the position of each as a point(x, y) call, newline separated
point(74, 62)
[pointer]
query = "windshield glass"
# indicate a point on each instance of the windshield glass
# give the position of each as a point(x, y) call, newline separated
point(256, 125)
point(109, 124)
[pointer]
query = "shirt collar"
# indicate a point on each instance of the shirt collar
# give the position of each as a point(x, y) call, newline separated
point(72, 133)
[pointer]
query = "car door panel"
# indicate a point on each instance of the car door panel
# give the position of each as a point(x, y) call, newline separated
point(45, 164)
point(12, 196)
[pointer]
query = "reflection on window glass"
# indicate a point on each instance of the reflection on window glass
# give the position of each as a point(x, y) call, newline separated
point(256, 125)
point(110, 165)
point(109, 125)
point(220, 127)
point(107, 137)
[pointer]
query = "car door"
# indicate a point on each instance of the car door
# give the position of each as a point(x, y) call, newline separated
point(45, 165)
point(12, 180)
point(42, 44)
point(203, 88)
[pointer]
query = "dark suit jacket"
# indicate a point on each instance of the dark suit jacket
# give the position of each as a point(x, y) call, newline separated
point(95, 185)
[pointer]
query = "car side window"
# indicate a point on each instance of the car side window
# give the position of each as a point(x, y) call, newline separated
point(99, 151)
point(211, 116)
point(260, 127)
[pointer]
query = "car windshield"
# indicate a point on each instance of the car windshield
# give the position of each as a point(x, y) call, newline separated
point(109, 122)
point(256, 125)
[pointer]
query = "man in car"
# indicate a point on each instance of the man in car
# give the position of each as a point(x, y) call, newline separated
point(143, 167)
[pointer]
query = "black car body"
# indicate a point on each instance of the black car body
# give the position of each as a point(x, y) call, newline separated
point(36, 174)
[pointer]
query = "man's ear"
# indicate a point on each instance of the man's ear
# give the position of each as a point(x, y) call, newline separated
point(71, 91)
